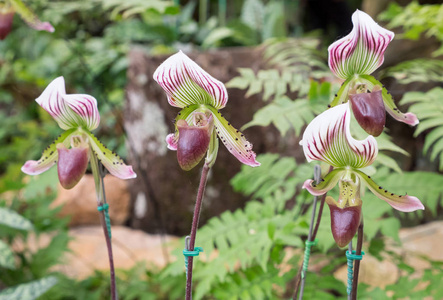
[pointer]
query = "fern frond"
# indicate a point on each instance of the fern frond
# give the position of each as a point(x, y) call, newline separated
point(285, 114)
point(416, 19)
point(417, 70)
point(251, 283)
point(290, 64)
point(245, 238)
point(429, 109)
point(129, 8)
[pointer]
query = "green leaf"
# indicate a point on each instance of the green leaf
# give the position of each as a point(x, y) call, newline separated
point(6, 256)
point(253, 14)
point(271, 230)
point(28, 291)
point(216, 36)
point(12, 219)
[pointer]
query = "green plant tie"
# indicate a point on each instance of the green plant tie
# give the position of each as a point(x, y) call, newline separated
point(351, 257)
point(188, 253)
point(308, 245)
point(105, 208)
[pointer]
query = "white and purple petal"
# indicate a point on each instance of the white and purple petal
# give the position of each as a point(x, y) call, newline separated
point(234, 140)
point(404, 203)
point(69, 111)
point(186, 83)
point(49, 155)
point(362, 50)
point(172, 141)
point(112, 162)
point(84, 106)
point(328, 138)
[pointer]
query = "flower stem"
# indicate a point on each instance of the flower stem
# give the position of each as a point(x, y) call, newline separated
point(357, 262)
point(195, 219)
point(314, 235)
point(317, 178)
point(101, 200)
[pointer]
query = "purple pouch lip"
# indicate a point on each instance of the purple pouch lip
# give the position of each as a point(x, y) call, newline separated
point(369, 110)
point(193, 141)
point(71, 164)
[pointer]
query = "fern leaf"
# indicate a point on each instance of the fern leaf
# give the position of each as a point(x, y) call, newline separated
point(429, 108)
point(285, 114)
point(417, 70)
point(290, 64)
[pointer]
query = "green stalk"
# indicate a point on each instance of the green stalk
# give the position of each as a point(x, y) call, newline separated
point(101, 200)
point(222, 12)
point(195, 219)
point(203, 12)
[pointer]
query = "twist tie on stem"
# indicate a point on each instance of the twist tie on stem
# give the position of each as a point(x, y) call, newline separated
point(308, 246)
point(104, 207)
point(188, 253)
point(351, 257)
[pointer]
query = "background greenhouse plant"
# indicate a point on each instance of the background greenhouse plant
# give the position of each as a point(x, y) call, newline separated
point(272, 219)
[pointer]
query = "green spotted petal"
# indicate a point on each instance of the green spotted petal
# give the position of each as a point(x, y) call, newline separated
point(391, 108)
point(109, 159)
point(233, 139)
point(328, 138)
point(326, 184)
point(49, 155)
point(403, 203)
point(29, 17)
point(342, 95)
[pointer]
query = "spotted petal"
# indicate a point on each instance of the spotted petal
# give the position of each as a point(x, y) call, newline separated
point(234, 140)
point(326, 184)
point(328, 138)
point(29, 17)
point(186, 83)
point(49, 155)
point(69, 111)
point(403, 203)
point(361, 51)
point(110, 160)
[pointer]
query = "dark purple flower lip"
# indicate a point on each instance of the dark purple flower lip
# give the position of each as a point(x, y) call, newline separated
point(6, 18)
point(72, 163)
point(344, 221)
point(369, 109)
point(193, 141)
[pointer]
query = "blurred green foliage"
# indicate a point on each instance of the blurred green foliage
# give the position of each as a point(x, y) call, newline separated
point(89, 49)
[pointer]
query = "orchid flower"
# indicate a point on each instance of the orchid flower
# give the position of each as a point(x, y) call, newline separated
point(7, 11)
point(200, 96)
point(327, 138)
point(353, 58)
point(78, 115)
